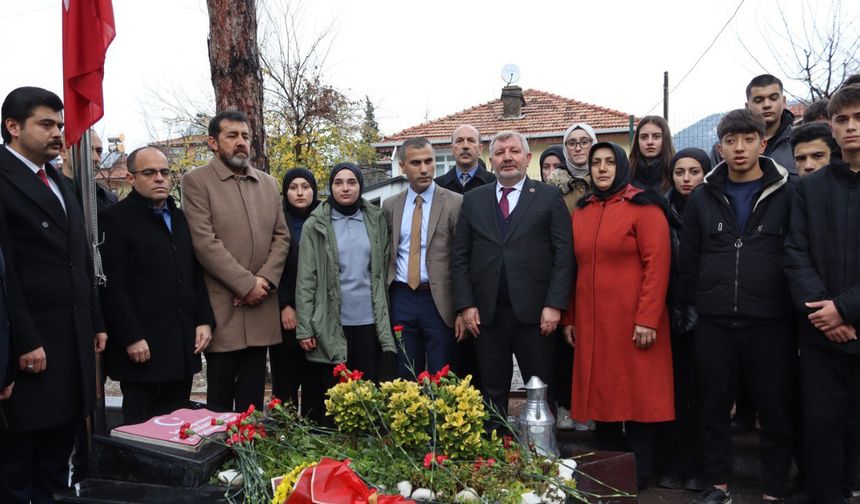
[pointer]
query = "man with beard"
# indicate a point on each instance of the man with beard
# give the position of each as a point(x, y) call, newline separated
point(241, 240)
point(765, 97)
point(470, 172)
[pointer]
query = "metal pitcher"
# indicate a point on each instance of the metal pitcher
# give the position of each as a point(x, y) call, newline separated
point(536, 423)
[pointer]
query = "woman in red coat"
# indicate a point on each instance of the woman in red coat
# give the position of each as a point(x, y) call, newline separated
point(622, 370)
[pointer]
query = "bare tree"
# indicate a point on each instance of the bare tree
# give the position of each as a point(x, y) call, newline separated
point(234, 60)
point(817, 48)
point(310, 121)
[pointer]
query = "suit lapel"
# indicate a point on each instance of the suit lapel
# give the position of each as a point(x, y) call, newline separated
point(492, 215)
point(523, 203)
point(435, 212)
point(28, 183)
point(397, 221)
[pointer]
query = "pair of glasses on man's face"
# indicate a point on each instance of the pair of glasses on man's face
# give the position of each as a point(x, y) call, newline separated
point(583, 144)
point(150, 172)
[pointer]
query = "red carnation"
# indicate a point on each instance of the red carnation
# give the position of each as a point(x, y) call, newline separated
point(356, 375)
point(398, 328)
point(273, 403)
point(423, 377)
point(428, 459)
point(441, 459)
point(185, 431)
point(339, 369)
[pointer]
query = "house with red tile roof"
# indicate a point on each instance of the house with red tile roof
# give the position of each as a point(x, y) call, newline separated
point(542, 117)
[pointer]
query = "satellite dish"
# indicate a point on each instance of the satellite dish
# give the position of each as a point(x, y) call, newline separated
point(510, 73)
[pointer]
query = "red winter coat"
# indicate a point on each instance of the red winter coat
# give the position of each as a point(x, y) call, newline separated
point(623, 252)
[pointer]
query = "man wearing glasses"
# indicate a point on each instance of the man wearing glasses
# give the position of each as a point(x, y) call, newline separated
point(155, 301)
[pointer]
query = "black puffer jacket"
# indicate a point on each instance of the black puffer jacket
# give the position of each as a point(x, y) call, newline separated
point(822, 249)
point(735, 276)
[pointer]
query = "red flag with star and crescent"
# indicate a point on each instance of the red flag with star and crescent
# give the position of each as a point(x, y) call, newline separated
point(88, 30)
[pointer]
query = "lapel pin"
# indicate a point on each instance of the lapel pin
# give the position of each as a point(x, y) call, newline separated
point(531, 189)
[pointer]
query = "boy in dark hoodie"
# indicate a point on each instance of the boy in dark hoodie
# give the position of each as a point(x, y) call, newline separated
point(823, 270)
point(765, 96)
point(731, 268)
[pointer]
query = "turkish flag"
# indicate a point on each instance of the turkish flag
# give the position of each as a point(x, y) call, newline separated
point(88, 30)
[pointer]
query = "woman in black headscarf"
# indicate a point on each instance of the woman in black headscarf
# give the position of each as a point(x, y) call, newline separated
point(622, 370)
point(679, 455)
point(341, 291)
point(287, 359)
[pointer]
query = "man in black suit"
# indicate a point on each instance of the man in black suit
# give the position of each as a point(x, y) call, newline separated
point(155, 304)
point(512, 263)
point(469, 172)
point(59, 319)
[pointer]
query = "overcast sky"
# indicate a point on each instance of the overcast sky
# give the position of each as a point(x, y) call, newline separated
point(418, 60)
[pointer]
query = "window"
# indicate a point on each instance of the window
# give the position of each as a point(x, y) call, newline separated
point(444, 162)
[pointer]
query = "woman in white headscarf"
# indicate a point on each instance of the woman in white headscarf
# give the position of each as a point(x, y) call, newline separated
point(574, 181)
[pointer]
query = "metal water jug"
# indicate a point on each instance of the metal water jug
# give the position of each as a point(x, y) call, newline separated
point(536, 424)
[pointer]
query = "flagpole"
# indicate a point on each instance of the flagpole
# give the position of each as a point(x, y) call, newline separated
point(84, 178)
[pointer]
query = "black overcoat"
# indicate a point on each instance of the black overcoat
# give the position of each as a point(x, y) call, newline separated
point(154, 291)
point(60, 309)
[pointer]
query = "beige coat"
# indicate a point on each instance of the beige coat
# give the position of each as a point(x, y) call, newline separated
point(444, 213)
point(238, 230)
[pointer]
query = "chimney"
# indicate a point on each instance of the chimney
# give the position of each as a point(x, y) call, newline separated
point(512, 102)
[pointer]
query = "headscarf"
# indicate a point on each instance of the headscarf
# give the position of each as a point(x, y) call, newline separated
point(556, 150)
point(622, 170)
point(349, 209)
point(289, 177)
point(699, 155)
point(695, 153)
point(296, 217)
point(575, 170)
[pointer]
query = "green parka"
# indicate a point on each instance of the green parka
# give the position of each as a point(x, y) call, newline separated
point(318, 296)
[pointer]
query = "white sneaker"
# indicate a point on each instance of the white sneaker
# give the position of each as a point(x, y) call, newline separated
point(584, 426)
point(564, 422)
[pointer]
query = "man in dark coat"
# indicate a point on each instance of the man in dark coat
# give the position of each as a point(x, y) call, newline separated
point(60, 318)
point(823, 270)
point(731, 268)
point(155, 303)
point(512, 266)
point(469, 172)
point(765, 96)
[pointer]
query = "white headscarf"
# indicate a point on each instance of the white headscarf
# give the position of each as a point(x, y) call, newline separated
point(575, 170)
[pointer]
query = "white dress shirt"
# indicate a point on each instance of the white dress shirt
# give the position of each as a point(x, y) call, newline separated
point(513, 196)
point(406, 233)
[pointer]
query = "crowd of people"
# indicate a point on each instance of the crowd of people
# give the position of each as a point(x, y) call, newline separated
point(652, 291)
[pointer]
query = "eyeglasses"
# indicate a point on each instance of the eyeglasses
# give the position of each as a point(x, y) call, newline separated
point(583, 144)
point(150, 172)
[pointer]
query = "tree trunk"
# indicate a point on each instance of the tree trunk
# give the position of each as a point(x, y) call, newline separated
point(235, 63)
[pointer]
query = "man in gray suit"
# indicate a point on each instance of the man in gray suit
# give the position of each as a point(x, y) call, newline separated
point(421, 222)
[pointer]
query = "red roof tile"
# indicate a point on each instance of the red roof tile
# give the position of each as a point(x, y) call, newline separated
point(543, 114)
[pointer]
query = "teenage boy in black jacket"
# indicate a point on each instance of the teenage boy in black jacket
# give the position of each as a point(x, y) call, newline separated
point(731, 267)
point(823, 270)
